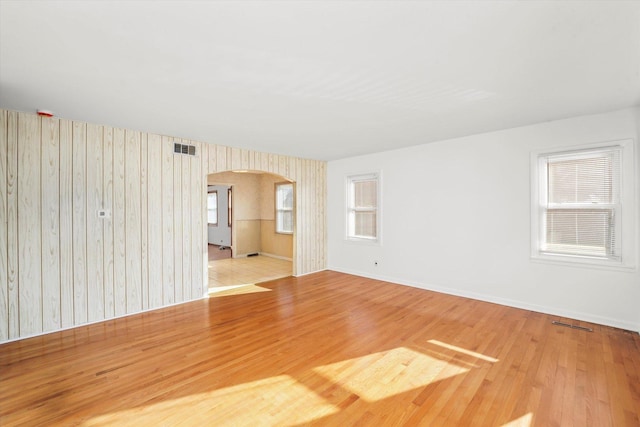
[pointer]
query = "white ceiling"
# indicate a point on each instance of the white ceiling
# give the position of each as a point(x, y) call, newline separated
point(321, 80)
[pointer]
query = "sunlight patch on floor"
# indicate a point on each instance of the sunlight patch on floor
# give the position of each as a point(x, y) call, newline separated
point(235, 271)
point(400, 369)
point(463, 351)
point(523, 421)
point(263, 402)
point(248, 288)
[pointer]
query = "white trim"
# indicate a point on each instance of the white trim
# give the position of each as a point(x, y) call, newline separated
point(278, 210)
point(349, 178)
point(627, 226)
point(275, 256)
point(310, 272)
point(553, 311)
point(96, 322)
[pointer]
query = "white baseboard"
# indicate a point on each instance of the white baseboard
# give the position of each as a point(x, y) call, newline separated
point(555, 311)
point(311, 272)
point(103, 320)
point(275, 256)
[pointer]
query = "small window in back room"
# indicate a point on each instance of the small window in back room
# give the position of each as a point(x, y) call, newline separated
point(363, 216)
point(284, 208)
point(212, 208)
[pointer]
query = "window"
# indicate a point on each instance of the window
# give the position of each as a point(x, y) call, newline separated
point(212, 208)
point(577, 209)
point(362, 207)
point(284, 208)
point(229, 209)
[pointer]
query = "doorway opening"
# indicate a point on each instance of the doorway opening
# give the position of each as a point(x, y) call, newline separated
point(251, 228)
point(219, 221)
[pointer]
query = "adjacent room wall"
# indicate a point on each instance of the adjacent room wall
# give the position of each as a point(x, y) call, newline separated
point(246, 210)
point(456, 219)
point(254, 214)
point(63, 266)
point(272, 243)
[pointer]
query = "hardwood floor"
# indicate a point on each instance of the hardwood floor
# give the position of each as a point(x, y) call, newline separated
point(232, 272)
point(215, 252)
point(325, 349)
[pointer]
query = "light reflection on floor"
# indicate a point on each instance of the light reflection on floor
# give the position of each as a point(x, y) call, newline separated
point(242, 271)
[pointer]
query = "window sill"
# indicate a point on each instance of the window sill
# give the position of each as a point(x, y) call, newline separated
point(363, 241)
point(581, 262)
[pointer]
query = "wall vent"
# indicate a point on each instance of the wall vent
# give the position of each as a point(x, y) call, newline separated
point(189, 150)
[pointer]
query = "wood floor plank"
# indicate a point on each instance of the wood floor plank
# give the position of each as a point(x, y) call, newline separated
point(324, 349)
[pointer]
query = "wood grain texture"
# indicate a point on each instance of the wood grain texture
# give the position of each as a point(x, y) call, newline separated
point(325, 349)
point(67, 316)
point(154, 221)
point(50, 224)
point(187, 250)
point(79, 221)
point(12, 225)
point(198, 206)
point(29, 234)
point(119, 224)
point(95, 225)
point(4, 221)
point(133, 222)
point(310, 178)
point(108, 229)
point(178, 227)
point(65, 267)
point(144, 220)
point(168, 256)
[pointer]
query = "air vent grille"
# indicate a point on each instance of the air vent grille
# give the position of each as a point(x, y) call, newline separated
point(189, 150)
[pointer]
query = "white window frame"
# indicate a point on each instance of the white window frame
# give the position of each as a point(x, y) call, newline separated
point(350, 209)
point(282, 210)
point(626, 221)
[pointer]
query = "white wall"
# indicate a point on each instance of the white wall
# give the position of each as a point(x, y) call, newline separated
point(456, 219)
point(220, 234)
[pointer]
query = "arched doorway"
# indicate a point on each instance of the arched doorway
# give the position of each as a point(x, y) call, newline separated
point(251, 229)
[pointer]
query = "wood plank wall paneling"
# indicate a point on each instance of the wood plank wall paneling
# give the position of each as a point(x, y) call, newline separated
point(154, 220)
point(198, 191)
point(50, 225)
point(61, 265)
point(168, 256)
point(12, 224)
point(67, 317)
point(29, 222)
point(95, 225)
point(108, 229)
point(79, 221)
point(4, 275)
point(118, 221)
point(133, 222)
point(186, 234)
point(144, 224)
point(177, 226)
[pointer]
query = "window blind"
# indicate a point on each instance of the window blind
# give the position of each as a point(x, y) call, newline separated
point(582, 203)
point(365, 202)
point(284, 208)
point(212, 208)
point(363, 207)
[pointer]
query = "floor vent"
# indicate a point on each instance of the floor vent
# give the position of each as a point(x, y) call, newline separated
point(582, 328)
point(189, 150)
